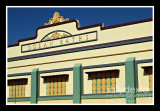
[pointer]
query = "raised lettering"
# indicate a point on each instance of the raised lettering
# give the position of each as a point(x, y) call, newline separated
point(67, 41)
point(61, 42)
point(80, 38)
point(39, 45)
point(45, 45)
point(51, 43)
point(29, 47)
point(73, 38)
point(34, 46)
point(86, 37)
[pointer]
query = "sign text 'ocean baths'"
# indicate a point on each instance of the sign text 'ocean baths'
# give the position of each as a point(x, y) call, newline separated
point(59, 41)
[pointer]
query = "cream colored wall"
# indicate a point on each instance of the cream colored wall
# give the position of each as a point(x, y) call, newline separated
point(143, 80)
point(139, 100)
point(120, 82)
point(85, 62)
point(104, 36)
point(27, 87)
point(104, 101)
point(144, 100)
point(90, 53)
point(10, 102)
point(56, 102)
point(23, 102)
point(19, 102)
point(69, 83)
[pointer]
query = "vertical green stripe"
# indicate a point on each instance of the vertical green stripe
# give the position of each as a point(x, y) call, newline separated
point(57, 85)
point(101, 82)
point(61, 85)
point(53, 85)
point(21, 89)
point(92, 83)
point(115, 81)
point(46, 86)
point(106, 81)
point(130, 80)
point(110, 83)
point(77, 71)
point(15, 89)
point(24, 89)
point(18, 87)
point(34, 85)
point(49, 86)
point(65, 85)
point(149, 82)
point(96, 82)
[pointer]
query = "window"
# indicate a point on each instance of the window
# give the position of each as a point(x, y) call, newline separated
point(148, 72)
point(103, 81)
point(56, 85)
point(17, 87)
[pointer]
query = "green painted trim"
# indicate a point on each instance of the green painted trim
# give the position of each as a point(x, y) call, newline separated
point(144, 95)
point(55, 98)
point(130, 80)
point(34, 85)
point(103, 96)
point(18, 99)
point(77, 71)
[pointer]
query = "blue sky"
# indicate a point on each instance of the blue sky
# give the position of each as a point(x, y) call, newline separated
point(23, 22)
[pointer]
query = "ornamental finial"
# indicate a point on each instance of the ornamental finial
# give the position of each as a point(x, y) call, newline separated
point(56, 19)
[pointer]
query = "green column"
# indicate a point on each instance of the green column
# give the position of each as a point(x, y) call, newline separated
point(130, 80)
point(34, 85)
point(77, 71)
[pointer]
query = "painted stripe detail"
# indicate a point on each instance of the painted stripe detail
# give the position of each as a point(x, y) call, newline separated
point(85, 96)
point(91, 47)
point(80, 58)
point(84, 67)
point(96, 96)
point(19, 99)
point(41, 98)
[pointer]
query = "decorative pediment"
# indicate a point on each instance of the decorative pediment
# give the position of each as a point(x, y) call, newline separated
point(56, 19)
point(55, 35)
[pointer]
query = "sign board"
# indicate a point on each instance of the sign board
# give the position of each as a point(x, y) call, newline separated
point(58, 39)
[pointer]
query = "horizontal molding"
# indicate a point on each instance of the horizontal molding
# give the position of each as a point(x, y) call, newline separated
point(84, 67)
point(56, 70)
point(85, 96)
point(143, 61)
point(41, 98)
point(81, 58)
point(19, 74)
point(68, 69)
point(91, 72)
point(144, 94)
point(104, 65)
point(18, 99)
point(98, 96)
point(84, 48)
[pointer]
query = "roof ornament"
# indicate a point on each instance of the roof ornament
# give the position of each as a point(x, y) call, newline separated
point(56, 19)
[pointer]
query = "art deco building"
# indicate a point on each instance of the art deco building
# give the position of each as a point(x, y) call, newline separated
point(68, 64)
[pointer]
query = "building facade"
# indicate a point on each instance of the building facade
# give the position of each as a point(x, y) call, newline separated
point(68, 64)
